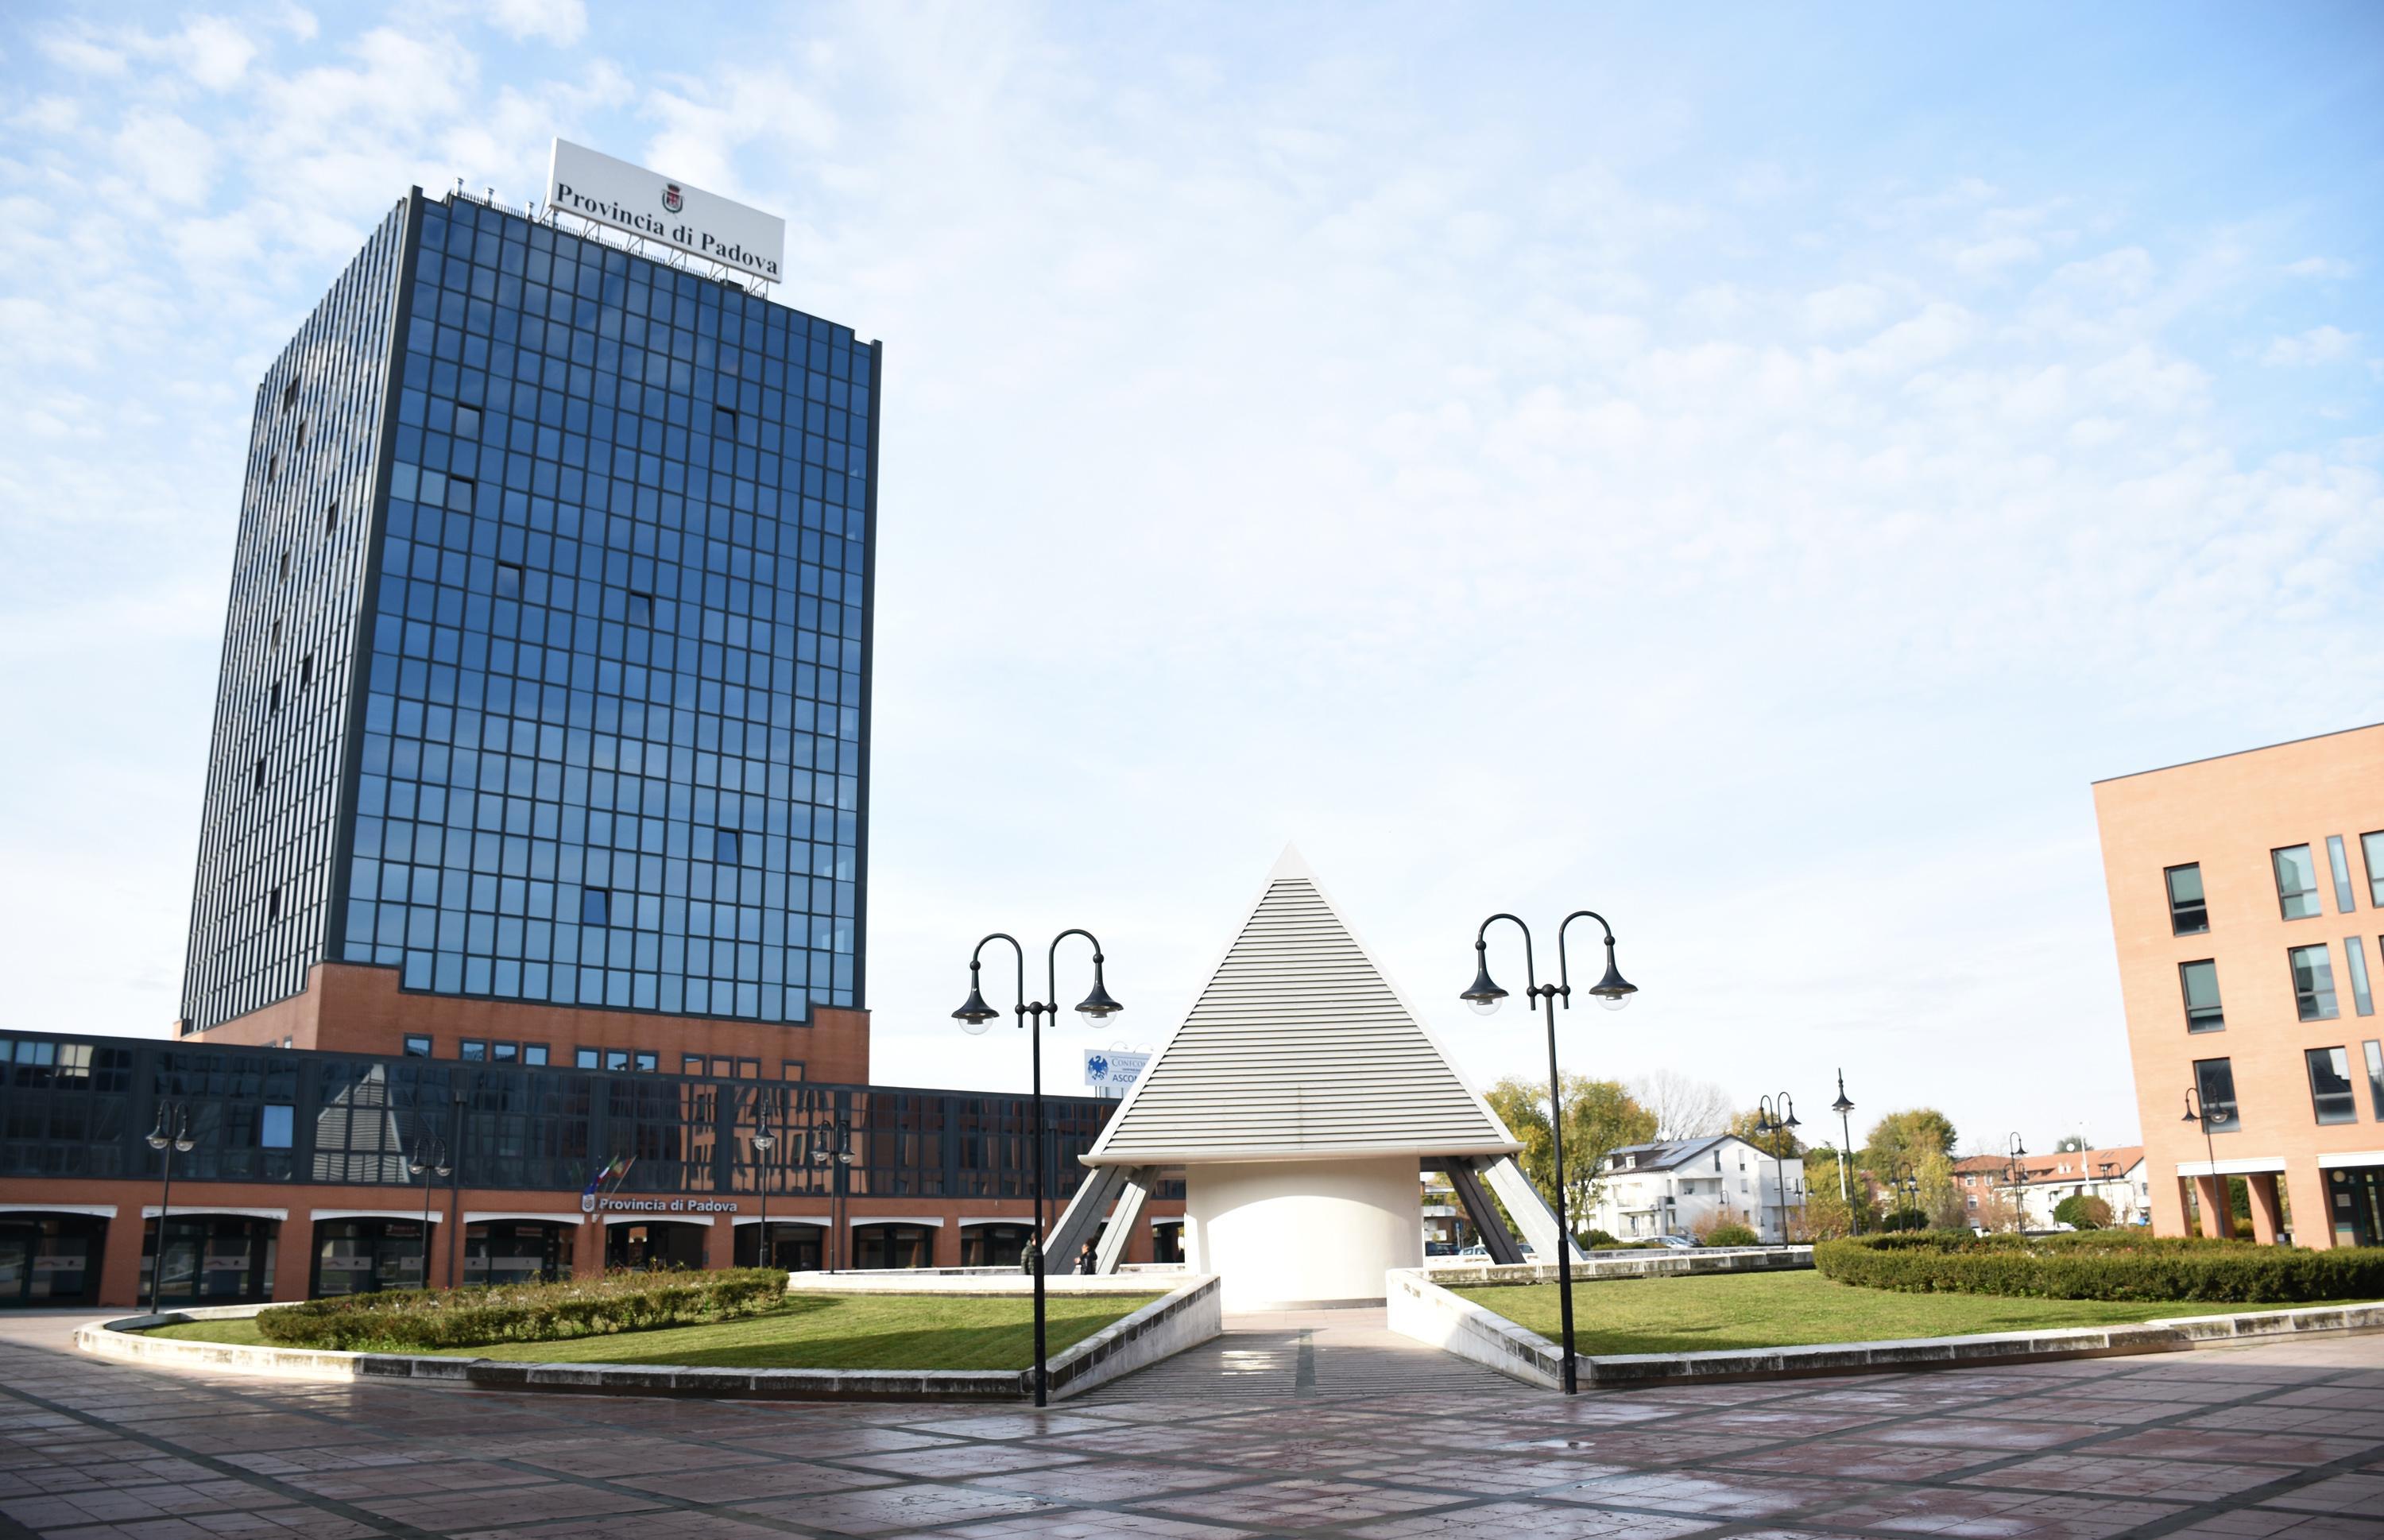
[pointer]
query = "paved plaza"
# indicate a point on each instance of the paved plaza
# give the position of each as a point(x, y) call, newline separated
point(1319, 1424)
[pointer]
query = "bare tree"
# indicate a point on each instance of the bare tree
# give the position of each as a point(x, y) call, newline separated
point(1685, 1107)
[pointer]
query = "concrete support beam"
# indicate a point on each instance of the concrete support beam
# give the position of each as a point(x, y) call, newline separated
point(2267, 1210)
point(2217, 1214)
point(1532, 1213)
point(1132, 1193)
point(1482, 1213)
point(1083, 1216)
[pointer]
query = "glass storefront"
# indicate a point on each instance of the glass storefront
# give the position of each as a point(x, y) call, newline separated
point(516, 1251)
point(795, 1246)
point(50, 1258)
point(654, 1245)
point(2355, 1202)
point(363, 1256)
point(885, 1246)
point(211, 1259)
point(993, 1245)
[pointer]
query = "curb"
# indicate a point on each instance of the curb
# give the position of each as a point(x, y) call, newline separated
point(1190, 1314)
point(1422, 1310)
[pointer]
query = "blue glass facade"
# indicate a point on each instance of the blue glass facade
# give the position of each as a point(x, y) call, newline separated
point(608, 708)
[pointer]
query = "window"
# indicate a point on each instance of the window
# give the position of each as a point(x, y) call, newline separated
point(468, 422)
point(2213, 1083)
point(2296, 882)
point(2371, 849)
point(302, 434)
point(791, 1069)
point(273, 903)
point(616, 1059)
point(260, 775)
point(273, 467)
point(285, 567)
point(690, 1063)
point(2188, 915)
point(273, 697)
point(306, 671)
point(2313, 982)
point(504, 1053)
point(724, 1069)
point(2330, 1077)
point(2354, 959)
point(273, 637)
point(585, 1059)
point(723, 846)
point(418, 1047)
point(641, 609)
point(534, 1053)
point(290, 393)
point(595, 906)
point(748, 1069)
point(462, 491)
point(332, 518)
point(648, 1061)
point(474, 1050)
point(2339, 863)
point(274, 1125)
point(509, 581)
point(2201, 1011)
point(724, 422)
point(2375, 1052)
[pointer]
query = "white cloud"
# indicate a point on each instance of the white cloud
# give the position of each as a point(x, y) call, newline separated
point(82, 55)
point(560, 23)
point(1845, 308)
point(174, 159)
point(2322, 344)
point(215, 52)
point(2320, 267)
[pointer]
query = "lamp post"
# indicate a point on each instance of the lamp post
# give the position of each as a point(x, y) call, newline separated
point(428, 1161)
point(761, 1147)
point(1778, 1115)
point(974, 1015)
point(2197, 1110)
point(1906, 1183)
point(833, 1150)
point(171, 1133)
point(1844, 1108)
point(454, 1174)
point(1614, 992)
point(2015, 1173)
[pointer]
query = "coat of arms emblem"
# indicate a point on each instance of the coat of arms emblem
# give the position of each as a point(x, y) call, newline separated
point(673, 199)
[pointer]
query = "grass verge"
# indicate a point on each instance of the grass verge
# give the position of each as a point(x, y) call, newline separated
point(811, 1331)
point(1790, 1309)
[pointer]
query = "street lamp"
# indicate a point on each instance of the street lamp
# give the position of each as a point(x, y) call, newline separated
point(761, 1147)
point(974, 1015)
point(2198, 1110)
point(1846, 1138)
point(429, 1157)
point(1613, 992)
point(1778, 1116)
point(454, 1174)
point(834, 1148)
point(1906, 1183)
point(2015, 1173)
point(171, 1134)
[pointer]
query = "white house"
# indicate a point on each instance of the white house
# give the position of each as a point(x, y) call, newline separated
point(1674, 1188)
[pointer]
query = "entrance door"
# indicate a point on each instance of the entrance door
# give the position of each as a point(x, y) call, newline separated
point(50, 1258)
point(891, 1246)
point(993, 1245)
point(794, 1248)
point(654, 1245)
point(364, 1256)
point(2355, 1193)
point(516, 1251)
point(211, 1259)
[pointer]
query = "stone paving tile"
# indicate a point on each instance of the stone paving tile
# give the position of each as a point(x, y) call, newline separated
point(2358, 1492)
point(1078, 1524)
point(1523, 1521)
point(2120, 1476)
point(542, 1502)
point(735, 1483)
point(896, 1509)
point(2227, 1443)
point(1854, 1460)
point(1115, 1481)
point(823, 1439)
point(632, 1526)
point(1302, 1501)
point(961, 1463)
point(2268, 1523)
point(1488, 1474)
point(1721, 1494)
point(2002, 1515)
point(1981, 1435)
point(2268, 1417)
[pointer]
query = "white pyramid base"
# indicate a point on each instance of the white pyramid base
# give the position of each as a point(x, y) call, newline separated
point(1301, 1232)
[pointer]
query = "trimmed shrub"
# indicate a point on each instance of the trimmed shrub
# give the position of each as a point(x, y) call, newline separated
point(414, 1320)
point(2083, 1212)
point(1732, 1234)
point(1598, 1237)
point(2102, 1264)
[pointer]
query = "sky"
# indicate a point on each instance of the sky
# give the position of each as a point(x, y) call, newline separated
point(1746, 472)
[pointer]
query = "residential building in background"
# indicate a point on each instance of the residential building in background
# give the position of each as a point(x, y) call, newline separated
point(543, 716)
point(1991, 1197)
point(1689, 1186)
point(2247, 902)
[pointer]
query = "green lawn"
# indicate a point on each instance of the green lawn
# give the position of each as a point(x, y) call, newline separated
point(1788, 1309)
point(814, 1331)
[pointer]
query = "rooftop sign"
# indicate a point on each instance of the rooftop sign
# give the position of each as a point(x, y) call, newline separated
point(648, 204)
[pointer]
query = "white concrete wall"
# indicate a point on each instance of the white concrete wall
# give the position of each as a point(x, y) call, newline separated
point(1293, 1232)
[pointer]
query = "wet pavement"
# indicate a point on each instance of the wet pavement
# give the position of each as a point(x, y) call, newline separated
point(1378, 1441)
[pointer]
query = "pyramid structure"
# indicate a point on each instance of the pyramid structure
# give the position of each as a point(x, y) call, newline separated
point(1298, 1047)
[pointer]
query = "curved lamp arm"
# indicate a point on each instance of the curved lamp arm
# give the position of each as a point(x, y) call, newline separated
point(1482, 947)
point(976, 998)
point(1096, 1006)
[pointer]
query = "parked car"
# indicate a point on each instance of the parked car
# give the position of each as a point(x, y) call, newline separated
point(1676, 1243)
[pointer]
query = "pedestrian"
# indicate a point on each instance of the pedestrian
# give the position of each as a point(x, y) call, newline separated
point(1084, 1259)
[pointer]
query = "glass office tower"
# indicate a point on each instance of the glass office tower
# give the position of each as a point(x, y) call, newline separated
point(546, 672)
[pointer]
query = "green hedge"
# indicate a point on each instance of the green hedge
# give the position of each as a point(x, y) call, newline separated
point(2102, 1264)
point(412, 1321)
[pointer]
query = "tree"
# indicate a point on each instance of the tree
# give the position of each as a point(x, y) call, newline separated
point(1940, 1194)
point(1901, 1139)
point(2083, 1211)
point(2070, 1143)
point(1683, 1106)
point(1600, 1116)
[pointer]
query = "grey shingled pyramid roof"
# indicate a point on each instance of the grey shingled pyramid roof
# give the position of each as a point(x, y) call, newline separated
point(1298, 1049)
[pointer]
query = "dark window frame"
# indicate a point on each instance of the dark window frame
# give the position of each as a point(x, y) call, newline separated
point(2331, 1104)
point(2190, 917)
point(2310, 1004)
point(2206, 1018)
point(2312, 894)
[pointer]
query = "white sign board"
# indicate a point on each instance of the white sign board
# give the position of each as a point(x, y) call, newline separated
point(1114, 1068)
point(580, 180)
